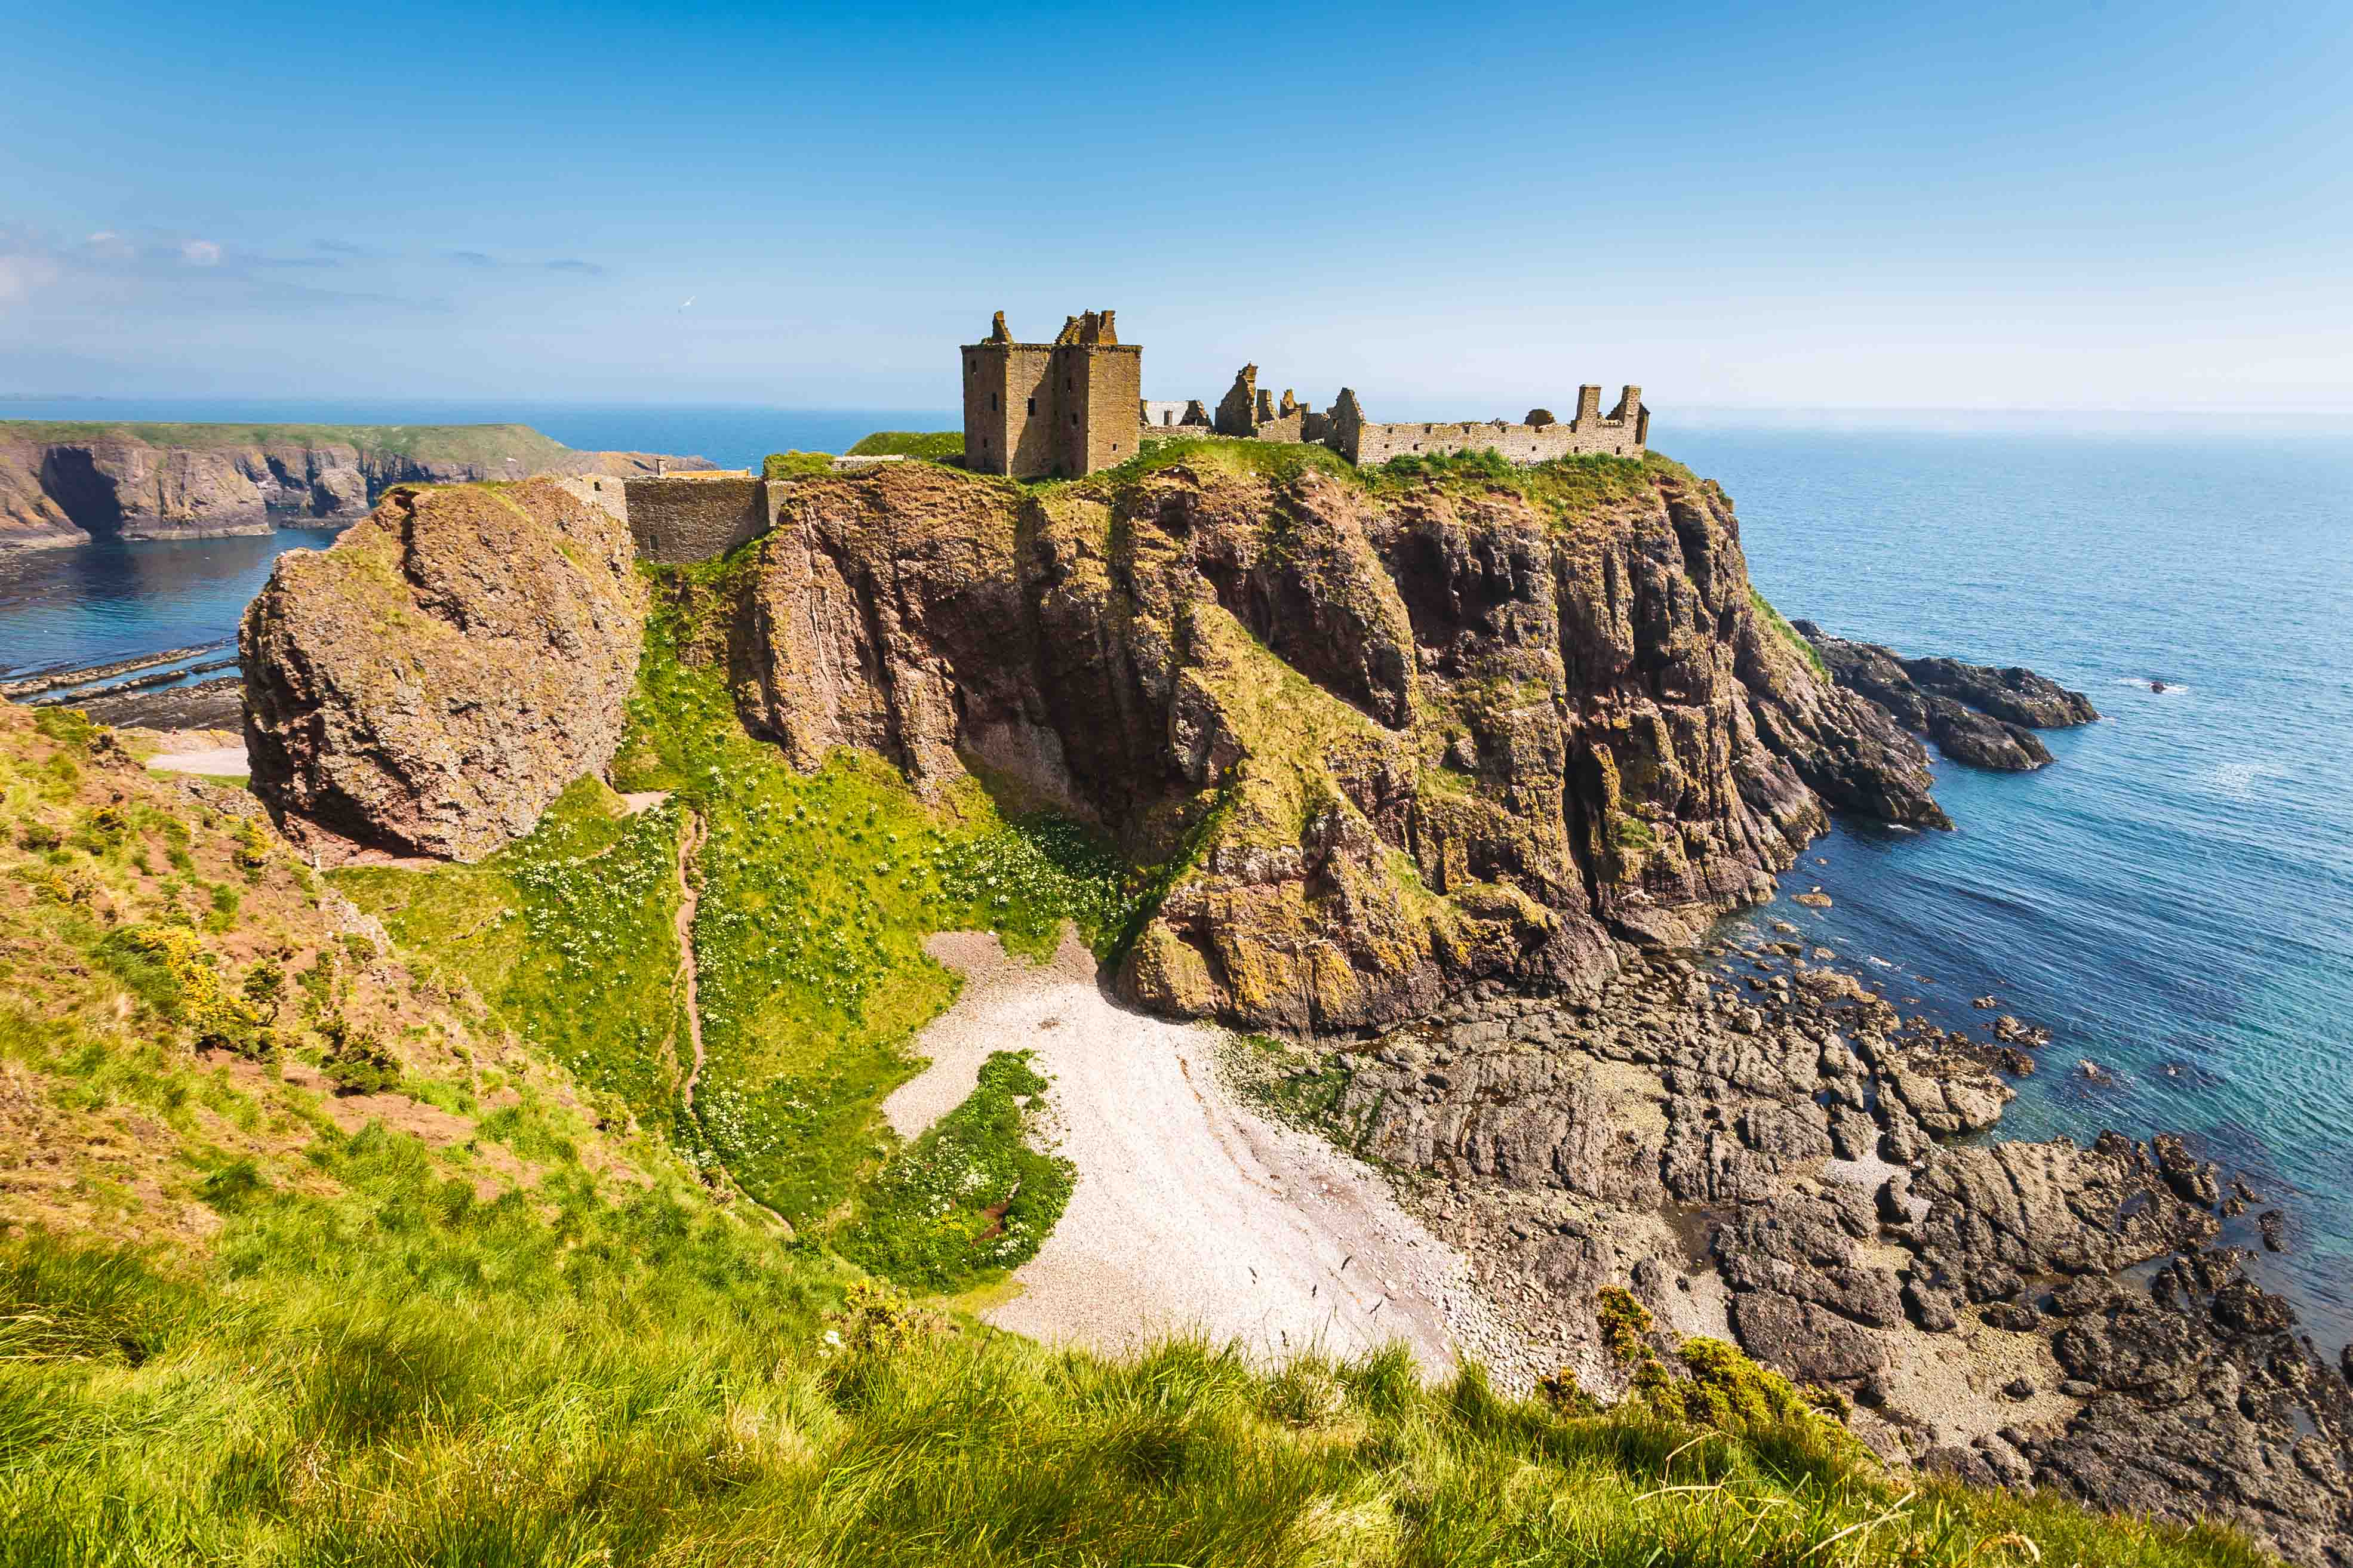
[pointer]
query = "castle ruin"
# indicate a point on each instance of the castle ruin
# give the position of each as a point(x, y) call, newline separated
point(1058, 409)
point(1076, 404)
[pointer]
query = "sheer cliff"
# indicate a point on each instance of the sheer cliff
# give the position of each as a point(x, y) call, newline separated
point(1413, 731)
point(1384, 734)
point(66, 483)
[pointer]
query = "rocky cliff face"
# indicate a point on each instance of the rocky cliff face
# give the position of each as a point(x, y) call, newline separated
point(66, 485)
point(433, 681)
point(1413, 733)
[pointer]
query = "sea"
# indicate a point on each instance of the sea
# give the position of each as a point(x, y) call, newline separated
point(2173, 897)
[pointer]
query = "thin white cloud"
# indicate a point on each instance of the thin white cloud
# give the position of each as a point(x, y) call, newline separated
point(26, 264)
point(200, 253)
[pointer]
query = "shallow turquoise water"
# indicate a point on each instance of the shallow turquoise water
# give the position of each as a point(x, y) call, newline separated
point(2176, 893)
point(2176, 890)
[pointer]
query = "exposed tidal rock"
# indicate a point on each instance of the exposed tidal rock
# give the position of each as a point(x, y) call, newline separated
point(2020, 1314)
point(1415, 739)
point(432, 682)
point(1981, 716)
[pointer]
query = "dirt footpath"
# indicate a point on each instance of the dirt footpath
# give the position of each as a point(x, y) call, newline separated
point(1192, 1211)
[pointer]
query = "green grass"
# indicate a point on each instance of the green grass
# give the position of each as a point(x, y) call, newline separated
point(796, 465)
point(399, 1373)
point(1788, 632)
point(970, 1198)
point(480, 443)
point(566, 935)
point(1277, 460)
point(818, 891)
point(932, 445)
point(1632, 832)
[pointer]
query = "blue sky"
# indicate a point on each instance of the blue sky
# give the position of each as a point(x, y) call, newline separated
point(1454, 210)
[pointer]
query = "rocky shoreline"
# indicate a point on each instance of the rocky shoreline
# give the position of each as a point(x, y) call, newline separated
point(1770, 1153)
point(149, 692)
point(1978, 715)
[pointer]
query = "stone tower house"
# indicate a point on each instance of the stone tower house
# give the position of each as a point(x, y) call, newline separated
point(1058, 409)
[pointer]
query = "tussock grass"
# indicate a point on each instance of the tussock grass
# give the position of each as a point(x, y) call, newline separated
point(401, 1374)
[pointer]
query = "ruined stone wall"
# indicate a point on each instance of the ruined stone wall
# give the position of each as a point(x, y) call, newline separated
point(679, 519)
point(1168, 414)
point(1590, 433)
point(608, 493)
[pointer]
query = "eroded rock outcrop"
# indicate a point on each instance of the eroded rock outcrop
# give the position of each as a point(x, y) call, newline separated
point(1978, 715)
point(1413, 736)
point(433, 681)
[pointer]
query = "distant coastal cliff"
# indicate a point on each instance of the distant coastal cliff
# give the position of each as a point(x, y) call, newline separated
point(70, 482)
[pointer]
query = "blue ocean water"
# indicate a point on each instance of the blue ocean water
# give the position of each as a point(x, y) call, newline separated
point(118, 600)
point(2173, 898)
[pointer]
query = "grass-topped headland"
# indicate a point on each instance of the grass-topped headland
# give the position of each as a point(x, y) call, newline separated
point(473, 444)
point(1568, 488)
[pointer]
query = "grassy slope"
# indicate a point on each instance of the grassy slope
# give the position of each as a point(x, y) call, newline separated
point(449, 443)
point(243, 1322)
point(566, 936)
point(817, 892)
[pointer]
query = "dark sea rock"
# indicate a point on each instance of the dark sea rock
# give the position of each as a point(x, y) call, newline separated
point(1560, 1131)
point(2015, 695)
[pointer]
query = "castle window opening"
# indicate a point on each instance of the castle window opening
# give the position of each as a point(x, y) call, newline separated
point(1033, 406)
point(992, 403)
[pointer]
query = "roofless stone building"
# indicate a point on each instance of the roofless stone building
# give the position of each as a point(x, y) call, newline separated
point(1076, 404)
